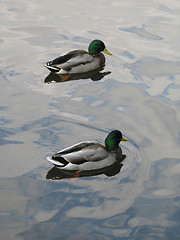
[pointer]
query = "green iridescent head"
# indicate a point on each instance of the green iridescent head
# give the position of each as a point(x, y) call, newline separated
point(97, 46)
point(113, 139)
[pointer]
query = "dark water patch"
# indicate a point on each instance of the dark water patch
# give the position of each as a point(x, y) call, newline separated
point(94, 32)
point(142, 32)
point(50, 121)
point(128, 54)
point(3, 108)
point(153, 233)
point(163, 169)
point(46, 136)
point(81, 40)
point(4, 133)
point(76, 229)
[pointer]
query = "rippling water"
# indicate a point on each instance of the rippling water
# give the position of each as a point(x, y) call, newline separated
point(136, 199)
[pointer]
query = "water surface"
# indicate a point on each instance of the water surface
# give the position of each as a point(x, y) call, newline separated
point(139, 198)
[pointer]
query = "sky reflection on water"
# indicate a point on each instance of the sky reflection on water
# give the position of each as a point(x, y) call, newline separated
point(140, 97)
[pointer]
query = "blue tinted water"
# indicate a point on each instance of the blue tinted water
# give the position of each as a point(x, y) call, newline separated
point(136, 199)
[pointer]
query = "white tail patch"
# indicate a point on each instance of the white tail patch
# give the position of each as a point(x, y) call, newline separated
point(55, 162)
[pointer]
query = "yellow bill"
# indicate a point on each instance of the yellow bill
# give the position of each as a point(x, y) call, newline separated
point(107, 52)
point(124, 139)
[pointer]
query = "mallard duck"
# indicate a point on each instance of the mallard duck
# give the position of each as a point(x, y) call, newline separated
point(80, 61)
point(90, 155)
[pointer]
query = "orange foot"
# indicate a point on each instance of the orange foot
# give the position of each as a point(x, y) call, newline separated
point(65, 77)
point(77, 174)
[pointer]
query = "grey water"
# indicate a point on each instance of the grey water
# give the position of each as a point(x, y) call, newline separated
point(136, 199)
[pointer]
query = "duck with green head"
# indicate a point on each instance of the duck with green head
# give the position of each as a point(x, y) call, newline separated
point(90, 155)
point(80, 61)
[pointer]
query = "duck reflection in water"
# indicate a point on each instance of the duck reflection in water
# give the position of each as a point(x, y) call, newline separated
point(94, 75)
point(58, 174)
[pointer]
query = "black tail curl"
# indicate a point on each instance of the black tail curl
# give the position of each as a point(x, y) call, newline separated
point(59, 159)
